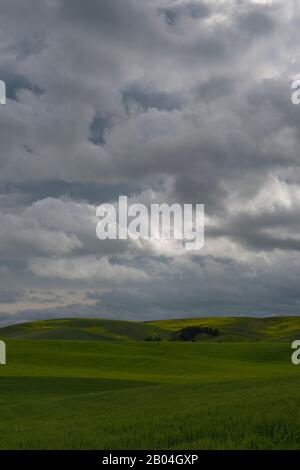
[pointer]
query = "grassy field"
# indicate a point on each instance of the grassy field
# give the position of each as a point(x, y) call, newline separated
point(80, 394)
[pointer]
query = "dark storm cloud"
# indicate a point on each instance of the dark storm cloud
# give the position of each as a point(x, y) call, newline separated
point(147, 97)
point(191, 9)
point(9, 297)
point(97, 129)
point(258, 21)
point(15, 83)
point(263, 231)
point(184, 101)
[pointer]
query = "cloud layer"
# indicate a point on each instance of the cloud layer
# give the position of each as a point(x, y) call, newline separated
point(166, 101)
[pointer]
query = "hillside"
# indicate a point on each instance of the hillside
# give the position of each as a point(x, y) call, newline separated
point(282, 329)
point(83, 329)
point(241, 328)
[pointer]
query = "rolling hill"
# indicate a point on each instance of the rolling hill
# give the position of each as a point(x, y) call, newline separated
point(280, 329)
point(83, 329)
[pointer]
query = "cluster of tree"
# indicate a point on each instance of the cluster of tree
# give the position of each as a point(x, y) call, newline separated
point(190, 333)
point(153, 337)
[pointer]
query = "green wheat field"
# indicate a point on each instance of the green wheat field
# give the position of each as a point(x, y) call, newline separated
point(97, 384)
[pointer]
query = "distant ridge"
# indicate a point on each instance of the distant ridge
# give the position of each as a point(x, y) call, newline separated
point(281, 329)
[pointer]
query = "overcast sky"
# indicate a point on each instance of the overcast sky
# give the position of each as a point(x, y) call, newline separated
point(166, 101)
